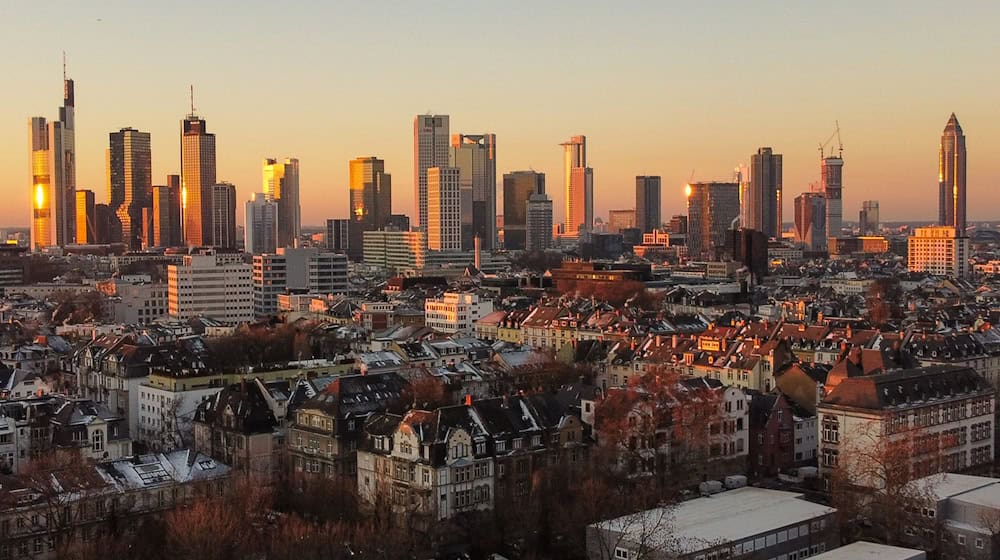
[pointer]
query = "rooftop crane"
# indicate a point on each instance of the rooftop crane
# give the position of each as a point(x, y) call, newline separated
point(840, 145)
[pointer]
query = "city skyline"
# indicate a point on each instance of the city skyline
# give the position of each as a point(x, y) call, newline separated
point(890, 138)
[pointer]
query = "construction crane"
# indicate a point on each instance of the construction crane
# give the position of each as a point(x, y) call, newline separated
point(840, 145)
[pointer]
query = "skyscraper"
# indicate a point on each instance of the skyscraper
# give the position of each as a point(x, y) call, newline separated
point(539, 217)
point(579, 183)
point(444, 209)
point(764, 200)
point(223, 215)
point(831, 180)
point(810, 220)
point(868, 221)
point(53, 173)
point(518, 186)
point(370, 200)
point(647, 203)
point(130, 170)
point(167, 213)
point(430, 149)
point(261, 225)
point(951, 177)
point(281, 184)
point(712, 209)
point(475, 157)
point(619, 220)
point(197, 179)
point(338, 235)
point(86, 232)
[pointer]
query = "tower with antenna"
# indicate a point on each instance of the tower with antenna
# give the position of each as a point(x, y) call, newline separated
point(832, 183)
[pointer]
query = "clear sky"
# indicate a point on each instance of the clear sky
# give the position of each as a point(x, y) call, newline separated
point(659, 88)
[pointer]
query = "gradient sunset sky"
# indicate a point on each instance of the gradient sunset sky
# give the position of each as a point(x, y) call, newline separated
point(659, 88)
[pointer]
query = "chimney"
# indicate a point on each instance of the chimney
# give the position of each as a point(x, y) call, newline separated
point(659, 340)
point(468, 400)
point(673, 341)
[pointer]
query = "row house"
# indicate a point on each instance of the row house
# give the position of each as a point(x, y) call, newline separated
point(111, 368)
point(977, 350)
point(772, 434)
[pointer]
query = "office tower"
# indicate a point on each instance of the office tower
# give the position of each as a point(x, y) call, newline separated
point(398, 222)
point(206, 285)
point(444, 209)
point(430, 149)
point(197, 179)
point(338, 235)
point(647, 203)
point(518, 186)
point(810, 220)
point(539, 228)
point(764, 200)
point(370, 200)
point(167, 213)
point(130, 181)
point(941, 251)
point(102, 223)
point(619, 220)
point(223, 215)
point(831, 181)
point(951, 177)
point(396, 250)
point(579, 182)
point(712, 210)
point(281, 185)
point(306, 270)
point(868, 222)
point(42, 195)
point(678, 224)
point(53, 174)
point(85, 226)
point(261, 225)
point(475, 157)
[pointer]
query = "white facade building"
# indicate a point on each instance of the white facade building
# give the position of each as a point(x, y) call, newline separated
point(203, 286)
point(140, 303)
point(939, 251)
point(261, 230)
point(309, 270)
point(444, 209)
point(456, 312)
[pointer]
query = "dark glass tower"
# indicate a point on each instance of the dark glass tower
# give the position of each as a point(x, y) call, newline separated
point(951, 177)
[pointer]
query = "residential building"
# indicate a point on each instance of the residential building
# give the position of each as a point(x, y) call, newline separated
point(518, 188)
point(746, 522)
point(810, 220)
point(53, 175)
point(712, 210)
point(868, 220)
point(337, 235)
point(85, 226)
point(224, 215)
point(475, 156)
point(130, 182)
point(539, 223)
point(940, 251)
point(456, 312)
point(951, 177)
point(308, 270)
point(772, 433)
point(370, 201)
point(261, 225)
point(167, 222)
point(764, 201)
point(281, 186)
point(578, 180)
point(138, 303)
point(647, 203)
point(444, 209)
point(197, 178)
point(206, 285)
point(431, 135)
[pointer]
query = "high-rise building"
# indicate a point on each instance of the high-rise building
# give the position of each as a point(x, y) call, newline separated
point(167, 213)
point(518, 186)
point(130, 181)
point(539, 216)
point(103, 218)
point(431, 135)
point(398, 222)
point(370, 200)
point(678, 224)
point(475, 157)
point(941, 251)
point(281, 185)
point(810, 220)
point(621, 219)
point(764, 200)
point(951, 176)
point(868, 221)
point(831, 181)
point(647, 203)
point(206, 285)
point(197, 179)
point(85, 226)
point(53, 173)
point(579, 182)
point(223, 215)
point(712, 210)
point(444, 209)
point(396, 250)
point(261, 225)
point(338, 235)
point(309, 270)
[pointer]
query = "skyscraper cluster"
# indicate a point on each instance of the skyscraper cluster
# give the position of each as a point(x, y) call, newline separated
point(53, 174)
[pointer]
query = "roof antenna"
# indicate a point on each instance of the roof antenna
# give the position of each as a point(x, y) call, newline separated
point(192, 99)
point(64, 66)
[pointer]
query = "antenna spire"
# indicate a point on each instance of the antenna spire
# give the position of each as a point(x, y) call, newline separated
point(64, 66)
point(192, 99)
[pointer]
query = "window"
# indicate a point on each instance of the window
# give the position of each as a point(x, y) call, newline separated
point(961, 540)
point(979, 544)
point(621, 554)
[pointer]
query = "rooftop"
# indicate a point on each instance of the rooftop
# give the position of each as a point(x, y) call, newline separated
point(871, 551)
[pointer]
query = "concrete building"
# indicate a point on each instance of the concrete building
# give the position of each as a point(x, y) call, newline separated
point(140, 303)
point(281, 185)
point(261, 225)
point(868, 219)
point(395, 250)
point(224, 215)
point(167, 222)
point(951, 177)
point(578, 180)
point(309, 270)
point(810, 220)
point(742, 523)
point(966, 509)
point(337, 235)
point(86, 230)
point(370, 201)
point(539, 228)
point(647, 203)
point(430, 149)
point(712, 210)
point(444, 209)
point(861, 550)
point(475, 156)
point(197, 178)
point(204, 286)
point(518, 188)
point(130, 182)
point(764, 201)
point(456, 312)
point(938, 250)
